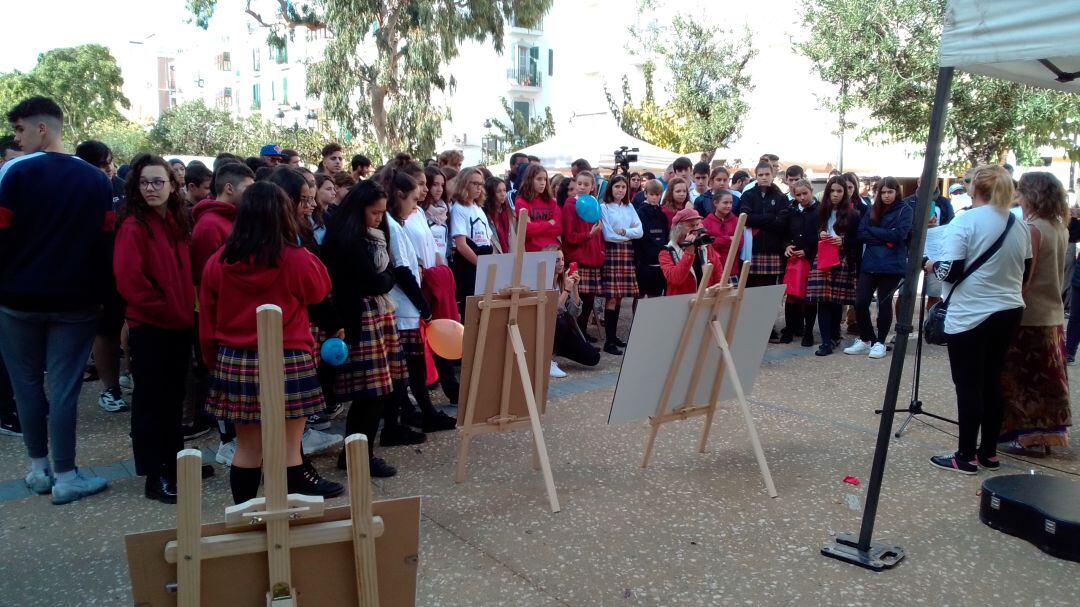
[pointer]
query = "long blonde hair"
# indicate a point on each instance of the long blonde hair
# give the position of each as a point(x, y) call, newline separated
point(461, 185)
point(992, 184)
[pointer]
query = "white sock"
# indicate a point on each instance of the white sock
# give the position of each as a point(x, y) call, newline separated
point(65, 477)
point(39, 464)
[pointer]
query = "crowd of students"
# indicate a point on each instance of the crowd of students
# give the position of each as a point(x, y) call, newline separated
point(179, 256)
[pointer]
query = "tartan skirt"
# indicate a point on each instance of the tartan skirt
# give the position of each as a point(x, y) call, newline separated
point(411, 342)
point(591, 281)
point(234, 386)
point(766, 263)
point(320, 336)
point(619, 272)
point(833, 286)
point(375, 358)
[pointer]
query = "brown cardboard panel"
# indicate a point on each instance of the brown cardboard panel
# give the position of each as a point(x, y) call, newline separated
point(323, 576)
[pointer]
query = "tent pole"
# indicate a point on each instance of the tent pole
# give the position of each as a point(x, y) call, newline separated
point(864, 552)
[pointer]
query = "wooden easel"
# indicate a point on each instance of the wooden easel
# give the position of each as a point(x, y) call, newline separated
point(516, 298)
point(711, 301)
point(272, 514)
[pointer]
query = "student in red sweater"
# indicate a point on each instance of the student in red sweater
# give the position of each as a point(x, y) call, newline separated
point(720, 224)
point(583, 244)
point(545, 216)
point(261, 263)
point(683, 261)
point(153, 275)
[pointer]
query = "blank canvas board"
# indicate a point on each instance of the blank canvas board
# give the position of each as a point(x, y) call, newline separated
point(654, 337)
point(504, 273)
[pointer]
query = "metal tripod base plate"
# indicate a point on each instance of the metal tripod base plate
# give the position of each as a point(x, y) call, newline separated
point(878, 558)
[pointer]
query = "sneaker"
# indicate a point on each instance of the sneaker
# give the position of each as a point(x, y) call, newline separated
point(318, 421)
point(40, 482)
point(438, 422)
point(555, 371)
point(306, 480)
point(65, 492)
point(10, 426)
point(112, 401)
point(198, 429)
point(990, 463)
point(877, 350)
point(381, 469)
point(1071, 361)
point(315, 442)
point(394, 437)
point(807, 340)
point(225, 453)
point(335, 412)
point(126, 382)
point(859, 347)
point(954, 464)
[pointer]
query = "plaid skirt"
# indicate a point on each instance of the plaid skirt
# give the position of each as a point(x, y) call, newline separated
point(619, 273)
point(833, 286)
point(375, 358)
point(591, 281)
point(320, 336)
point(766, 263)
point(411, 342)
point(234, 386)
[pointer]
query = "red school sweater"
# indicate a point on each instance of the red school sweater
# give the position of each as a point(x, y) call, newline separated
point(153, 273)
point(213, 224)
point(577, 244)
point(545, 222)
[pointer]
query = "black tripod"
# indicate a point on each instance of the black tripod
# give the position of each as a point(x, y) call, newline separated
point(915, 407)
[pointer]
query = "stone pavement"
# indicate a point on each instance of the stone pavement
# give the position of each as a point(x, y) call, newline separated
point(692, 529)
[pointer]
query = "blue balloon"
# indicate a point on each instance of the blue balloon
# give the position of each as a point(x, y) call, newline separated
point(588, 209)
point(334, 351)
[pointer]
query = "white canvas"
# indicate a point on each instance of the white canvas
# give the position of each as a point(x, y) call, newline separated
point(504, 273)
point(654, 336)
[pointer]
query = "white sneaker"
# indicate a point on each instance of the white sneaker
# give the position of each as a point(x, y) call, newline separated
point(859, 347)
point(877, 350)
point(225, 453)
point(79, 487)
point(556, 372)
point(40, 482)
point(112, 401)
point(126, 382)
point(315, 442)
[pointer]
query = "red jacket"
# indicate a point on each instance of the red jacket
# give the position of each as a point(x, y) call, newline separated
point(545, 222)
point(577, 244)
point(680, 277)
point(153, 273)
point(230, 293)
point(213, 224)
point(723, 230)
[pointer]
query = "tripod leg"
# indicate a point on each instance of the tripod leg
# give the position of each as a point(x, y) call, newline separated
point(903, 426)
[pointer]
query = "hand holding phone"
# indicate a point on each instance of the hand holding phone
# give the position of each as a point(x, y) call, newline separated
point(573, 268)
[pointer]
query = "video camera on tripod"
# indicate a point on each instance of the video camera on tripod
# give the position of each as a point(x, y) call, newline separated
point(623, 157)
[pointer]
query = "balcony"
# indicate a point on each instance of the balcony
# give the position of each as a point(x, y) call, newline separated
point(526, 79)
point(527, 31)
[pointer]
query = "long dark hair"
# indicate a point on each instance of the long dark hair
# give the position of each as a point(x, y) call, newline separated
point(843, 210)
point(396, 181)
point(430, 174)
point(878, 208)
point(265, 224)
point(609, 195)
point(853, 179)
point(491, 203)
point(292, 182)
point(134, 203)
point(526, 191)
point(347, 224)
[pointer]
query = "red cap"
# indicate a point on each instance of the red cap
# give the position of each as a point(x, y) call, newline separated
point(687, 214)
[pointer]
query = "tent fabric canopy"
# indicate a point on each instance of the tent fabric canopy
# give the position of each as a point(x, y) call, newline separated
point(1030, 42)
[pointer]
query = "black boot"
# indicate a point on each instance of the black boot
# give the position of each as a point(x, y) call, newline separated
point(305, 480)
point(160, 488)
point(244, 483)
point(611, 325)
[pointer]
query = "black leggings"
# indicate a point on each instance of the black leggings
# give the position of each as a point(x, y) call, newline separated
point(159, 366)
point(884, 285)
point(570, 344)
point(363, 417)
point(976, 358)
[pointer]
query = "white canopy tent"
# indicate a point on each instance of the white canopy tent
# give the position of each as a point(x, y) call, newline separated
point(1037, 43)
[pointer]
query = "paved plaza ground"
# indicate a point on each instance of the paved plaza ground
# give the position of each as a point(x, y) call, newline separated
point(692, 529)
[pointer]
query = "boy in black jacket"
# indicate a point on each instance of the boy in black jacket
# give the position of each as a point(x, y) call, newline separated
point(647, 249)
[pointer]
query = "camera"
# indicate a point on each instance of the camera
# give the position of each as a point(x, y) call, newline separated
point(624, 156)
point(704, 240)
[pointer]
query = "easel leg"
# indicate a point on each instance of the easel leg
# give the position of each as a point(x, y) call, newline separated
point(189, 528)
point(463, 456)
point(755, 442)
point(535, 457)
point(367, 578)
point(649, 442)
point(534, 415)
point(705, 431)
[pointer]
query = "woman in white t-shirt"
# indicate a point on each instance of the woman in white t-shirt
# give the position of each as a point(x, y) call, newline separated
point(470, 230)
point(984, 313)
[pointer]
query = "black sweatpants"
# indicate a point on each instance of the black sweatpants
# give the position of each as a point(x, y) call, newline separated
point(829, 317)
point(976, 358)
point(884, 285)
point(159, 364)
point(570, 344)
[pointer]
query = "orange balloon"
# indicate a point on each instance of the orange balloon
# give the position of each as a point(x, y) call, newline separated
point(445, 337)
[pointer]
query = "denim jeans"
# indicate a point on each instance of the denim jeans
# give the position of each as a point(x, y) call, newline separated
point(1072, 329)
point(33, 343)
point(7, 397)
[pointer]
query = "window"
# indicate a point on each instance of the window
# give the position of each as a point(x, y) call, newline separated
point(256, 97)
point(225, 98)
point(280, 54)
point(224, 62)
point(284, 90)
point(256, 59)
point(551, 61)
point(523, 108)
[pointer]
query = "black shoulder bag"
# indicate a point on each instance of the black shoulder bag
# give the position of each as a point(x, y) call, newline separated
point(934, 325)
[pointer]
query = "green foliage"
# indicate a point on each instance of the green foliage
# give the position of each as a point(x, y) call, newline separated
point(646, 119)
point(520, 133)
point(84, 80)
point(386, 59)
point(882, 55)
point(126, 139)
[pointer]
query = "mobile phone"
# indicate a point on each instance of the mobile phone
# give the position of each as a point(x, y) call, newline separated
point(573, 268)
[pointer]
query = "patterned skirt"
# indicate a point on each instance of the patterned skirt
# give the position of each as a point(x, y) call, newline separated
point(375, 357)
point(766, 263)
point(591, 281)
point(411, 342)
point(619, 273)
point(833, 286)
point(234, 386)
point(320, 337)
point(1036, 389)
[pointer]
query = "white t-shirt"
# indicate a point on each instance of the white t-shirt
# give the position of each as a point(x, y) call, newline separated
point(994, 287)
point(416, 226)
point(403, 255)
point(470, 221)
